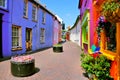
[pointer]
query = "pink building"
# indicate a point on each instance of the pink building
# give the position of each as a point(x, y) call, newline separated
point(57, 29)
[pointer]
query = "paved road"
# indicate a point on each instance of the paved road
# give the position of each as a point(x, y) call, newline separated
point(51, 66)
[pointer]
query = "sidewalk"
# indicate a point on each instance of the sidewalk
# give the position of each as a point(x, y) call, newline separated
point(51, 66)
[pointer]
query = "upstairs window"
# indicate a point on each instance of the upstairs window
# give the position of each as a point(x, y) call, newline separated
point(43, 17)
point(25, 8)
point(3, 3)
point(34, 13)
point(85, 3)
point(42, 35)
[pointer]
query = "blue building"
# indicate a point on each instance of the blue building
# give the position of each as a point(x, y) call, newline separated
point(4, 26)
point(26, 26)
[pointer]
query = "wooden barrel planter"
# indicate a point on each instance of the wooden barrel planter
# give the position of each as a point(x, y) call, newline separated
point(22, 66)
point(58, 48)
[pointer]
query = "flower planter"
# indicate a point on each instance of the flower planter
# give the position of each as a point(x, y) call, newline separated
point(111, 10)
point(58, 48)
point(22, 66)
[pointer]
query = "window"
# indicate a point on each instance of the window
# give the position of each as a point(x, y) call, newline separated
point(43, 17)
point(110, 33)
point(16, 36)
point(85, 3)
point(85, 34)
point(42, 35)
point(3, 3)
point(25, 8)
point(34, 13)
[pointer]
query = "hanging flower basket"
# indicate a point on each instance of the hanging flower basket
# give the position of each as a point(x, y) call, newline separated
point(111, 10)
point(22, 65)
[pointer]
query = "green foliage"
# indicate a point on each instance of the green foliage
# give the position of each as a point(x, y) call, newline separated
point(111, 10)
point(98, 66)
point(57, 45)
point(111, 6)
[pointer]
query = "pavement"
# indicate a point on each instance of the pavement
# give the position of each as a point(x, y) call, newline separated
point(50, 65)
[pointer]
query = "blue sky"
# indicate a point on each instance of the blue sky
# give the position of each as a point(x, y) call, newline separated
point(65, 9)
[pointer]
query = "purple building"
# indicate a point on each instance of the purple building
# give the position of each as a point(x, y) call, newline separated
point(26, 26)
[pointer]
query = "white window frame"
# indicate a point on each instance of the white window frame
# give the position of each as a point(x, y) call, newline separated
point(43, 17)
point(42, 35)
point(34, 13)
point(25, 8)
point(16, 34)
point(3, 4)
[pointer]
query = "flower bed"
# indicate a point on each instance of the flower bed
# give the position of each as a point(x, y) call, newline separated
point(22, 65)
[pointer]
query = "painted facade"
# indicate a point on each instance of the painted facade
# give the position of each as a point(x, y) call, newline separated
point(75, 32)
point(5, 21)
point(85, 23)
point(94, 11)
point(57, 25)
point(27, 26)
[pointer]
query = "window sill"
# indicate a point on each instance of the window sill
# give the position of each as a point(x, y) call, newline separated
point(16, 49)
point(34, 20)
point(110, 55)
point(4, 9)
point(85, 42)
point(42, 43)
point(43, 23)
point(25, 17)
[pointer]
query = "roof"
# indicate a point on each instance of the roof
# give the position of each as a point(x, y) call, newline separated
point(80, 3)
point(43, 7)
point(59, 19)
point(78, 18)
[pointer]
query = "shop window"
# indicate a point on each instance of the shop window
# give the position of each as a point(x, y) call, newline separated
point(110, 32)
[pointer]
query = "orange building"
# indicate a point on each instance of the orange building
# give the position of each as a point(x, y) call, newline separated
point(114, 56)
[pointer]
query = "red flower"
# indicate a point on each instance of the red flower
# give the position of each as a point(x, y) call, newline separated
point(95, 55)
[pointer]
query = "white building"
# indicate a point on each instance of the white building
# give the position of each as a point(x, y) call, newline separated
point(75, 32)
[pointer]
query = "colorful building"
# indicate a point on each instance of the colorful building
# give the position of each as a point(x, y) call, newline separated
point(75, 31)
point(114, 52)
point(4, 26)
point(85, 10)
point(57, 29)
point(109, 50)
point(27, 26)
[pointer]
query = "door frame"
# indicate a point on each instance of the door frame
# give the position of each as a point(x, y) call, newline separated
point(1, 50)
point(29, 41)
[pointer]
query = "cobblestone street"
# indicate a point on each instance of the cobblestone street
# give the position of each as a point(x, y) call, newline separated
point(51, 66)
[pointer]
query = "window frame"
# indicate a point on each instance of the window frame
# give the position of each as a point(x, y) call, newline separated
point(25, 8)
point(42, 35)
point(5, 4)
point(34, 14)
point(18, 35)
point(43, 17)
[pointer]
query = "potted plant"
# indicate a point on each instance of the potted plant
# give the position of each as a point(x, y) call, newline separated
point(111, 10)
point(58, 48)
point(96, 66)
point(22, 65)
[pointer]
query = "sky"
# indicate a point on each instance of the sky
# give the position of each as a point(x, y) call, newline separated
point(67, 10)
